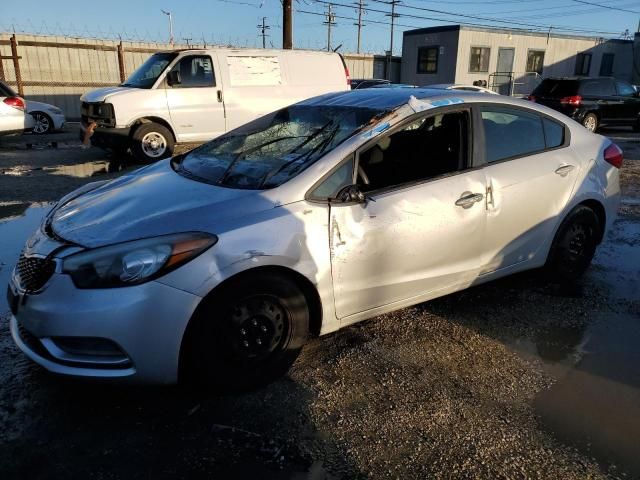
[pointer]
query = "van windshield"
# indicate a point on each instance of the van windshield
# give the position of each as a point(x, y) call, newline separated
point(275, 148)
point(147, 73)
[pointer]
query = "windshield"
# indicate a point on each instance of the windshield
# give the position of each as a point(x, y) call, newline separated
point(147, 73)
point(270, 150)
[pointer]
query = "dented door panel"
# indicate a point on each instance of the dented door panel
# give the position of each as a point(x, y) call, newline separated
point(406, 243)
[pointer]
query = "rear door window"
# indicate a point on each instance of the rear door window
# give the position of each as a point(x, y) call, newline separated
point(510, 133)
point(625, 89)
point(598, 87)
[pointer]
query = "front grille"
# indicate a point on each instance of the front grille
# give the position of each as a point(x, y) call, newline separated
point(101, 113)
point(34, 272)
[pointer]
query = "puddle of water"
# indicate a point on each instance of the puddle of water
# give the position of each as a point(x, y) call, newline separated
point(9, 211)
point(595, 403)
point(13, 235)
point(82, 170)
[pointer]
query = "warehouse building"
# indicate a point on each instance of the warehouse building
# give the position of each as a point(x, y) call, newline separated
point(509, 61)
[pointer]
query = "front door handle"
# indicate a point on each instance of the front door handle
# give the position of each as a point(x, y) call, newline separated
point(468, 199)
point(564, 170)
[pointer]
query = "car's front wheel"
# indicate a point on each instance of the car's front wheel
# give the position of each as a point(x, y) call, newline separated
point(574, 245)
point(152, 142)
point(42, 123)
point(590, 122)
point(246, 334)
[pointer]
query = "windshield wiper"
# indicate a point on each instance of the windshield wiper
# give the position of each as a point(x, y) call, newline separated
point(320, 147)
point(241, 155)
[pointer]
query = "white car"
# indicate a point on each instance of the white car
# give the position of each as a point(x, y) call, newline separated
point(468, 88)
point(47, 118)
point(219, 263)
point(13, 119)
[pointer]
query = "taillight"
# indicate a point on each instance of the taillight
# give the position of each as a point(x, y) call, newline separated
point(15, 102)
point(613, 155)
point(348, 75)
point(574, 100)
point(531, 98)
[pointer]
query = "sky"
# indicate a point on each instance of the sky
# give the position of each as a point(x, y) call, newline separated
point(235, 21)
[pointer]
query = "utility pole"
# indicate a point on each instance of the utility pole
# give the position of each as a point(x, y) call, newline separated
point(361, 6)
point(263, 28)
point(188, 40)
point(170, 26)
point(331, 21)
point(393, 16)
point(287, 25)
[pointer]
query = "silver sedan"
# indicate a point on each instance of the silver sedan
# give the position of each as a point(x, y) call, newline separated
point(217, 265)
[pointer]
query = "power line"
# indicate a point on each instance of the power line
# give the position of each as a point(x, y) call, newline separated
point(609, 7)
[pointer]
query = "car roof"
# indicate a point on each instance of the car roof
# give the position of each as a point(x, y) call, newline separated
point(382, 98)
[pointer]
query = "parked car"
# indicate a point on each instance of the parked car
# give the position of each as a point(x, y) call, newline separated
point(47, 118)
point(219, 263)
point(367, 83)
point(468, 88)
point(594, 102)
point(186, 96)
point(13, 119)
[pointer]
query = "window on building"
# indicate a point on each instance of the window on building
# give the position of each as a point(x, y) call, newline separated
point(583, 64)
point(606, 66)
point(535, 61)
point(479, 59)
point(428, 60)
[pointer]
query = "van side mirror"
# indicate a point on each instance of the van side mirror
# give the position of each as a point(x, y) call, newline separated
point(351, 194)
point(173, 78)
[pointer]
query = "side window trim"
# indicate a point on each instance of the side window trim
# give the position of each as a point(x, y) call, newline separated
point(309, 195)
point(480, 134)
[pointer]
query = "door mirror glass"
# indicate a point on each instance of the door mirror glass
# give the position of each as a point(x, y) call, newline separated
point(351, 194)
point(173, 78)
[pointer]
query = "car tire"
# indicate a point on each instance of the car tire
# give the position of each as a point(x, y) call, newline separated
point(591, 122)
point(43, 123)
point(152, 142)
point(574, 245)
point(246, 334)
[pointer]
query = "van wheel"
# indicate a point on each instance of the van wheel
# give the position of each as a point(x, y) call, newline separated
point(247, 334)
point(590, 122)
point(574, 245)
point(152, 142)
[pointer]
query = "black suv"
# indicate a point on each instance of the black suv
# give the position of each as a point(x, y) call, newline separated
point(591, 101)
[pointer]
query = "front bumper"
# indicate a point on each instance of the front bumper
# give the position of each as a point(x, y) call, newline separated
point(108, 137)
point(146, 322)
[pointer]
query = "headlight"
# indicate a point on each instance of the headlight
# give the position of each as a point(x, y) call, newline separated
point(55, 110)
point(135, 262)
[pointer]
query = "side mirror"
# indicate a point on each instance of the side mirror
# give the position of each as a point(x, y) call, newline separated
point(173, 78)
point(351, 194)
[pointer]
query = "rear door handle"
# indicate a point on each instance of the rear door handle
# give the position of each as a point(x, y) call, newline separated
point(564, 170)
point(468, 199)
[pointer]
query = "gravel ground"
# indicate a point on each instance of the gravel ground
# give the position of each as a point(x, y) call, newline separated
point(446, 389)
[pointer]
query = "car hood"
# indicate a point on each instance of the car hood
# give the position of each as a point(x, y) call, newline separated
point(152, 201)
point(101, 94)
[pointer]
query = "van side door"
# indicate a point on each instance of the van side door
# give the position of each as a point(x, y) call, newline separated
point(194, 98)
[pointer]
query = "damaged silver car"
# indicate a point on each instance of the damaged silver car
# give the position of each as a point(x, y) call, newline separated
point(219, 264)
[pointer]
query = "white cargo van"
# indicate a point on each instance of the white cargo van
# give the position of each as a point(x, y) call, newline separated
point(186, 96)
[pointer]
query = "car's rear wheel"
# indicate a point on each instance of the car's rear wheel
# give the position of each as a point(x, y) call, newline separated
point(590, 122)
point(42, 123)
point(574, 245)
point(152, 142)
point(246, 334)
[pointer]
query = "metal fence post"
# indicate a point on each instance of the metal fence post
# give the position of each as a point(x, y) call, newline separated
point(121, 62)
point(16, 64)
